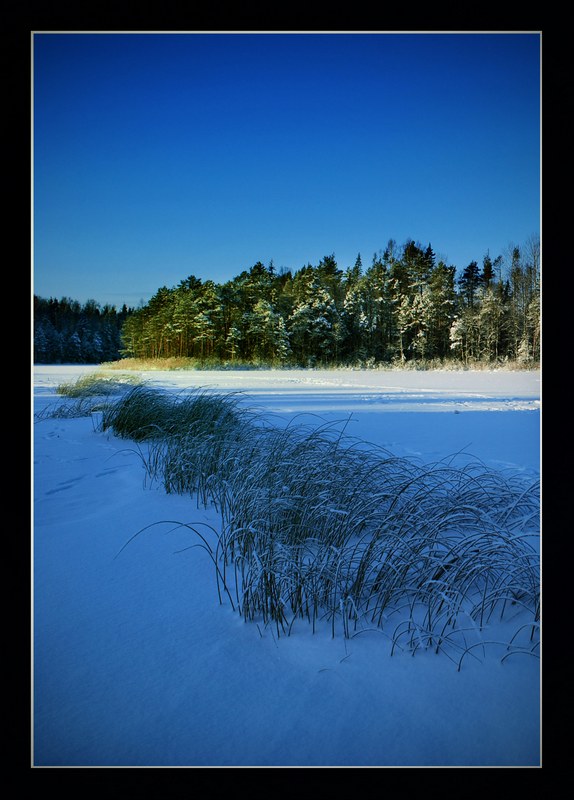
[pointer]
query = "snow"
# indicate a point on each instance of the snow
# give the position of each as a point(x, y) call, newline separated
point(136, 663)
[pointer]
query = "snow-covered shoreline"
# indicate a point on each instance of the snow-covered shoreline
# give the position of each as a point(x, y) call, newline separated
point(394, 389)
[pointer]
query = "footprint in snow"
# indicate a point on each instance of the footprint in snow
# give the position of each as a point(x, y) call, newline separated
point(61, 487)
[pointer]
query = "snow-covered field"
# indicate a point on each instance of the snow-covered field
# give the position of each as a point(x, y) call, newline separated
point(137, 664)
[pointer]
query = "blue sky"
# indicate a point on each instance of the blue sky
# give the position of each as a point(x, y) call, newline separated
point(159, 156)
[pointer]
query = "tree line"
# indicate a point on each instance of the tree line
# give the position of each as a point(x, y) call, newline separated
point(66, 331)
point(404, 306)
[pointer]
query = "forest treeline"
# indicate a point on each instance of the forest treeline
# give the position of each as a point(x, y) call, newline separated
point(404, 306)
point(67, 332)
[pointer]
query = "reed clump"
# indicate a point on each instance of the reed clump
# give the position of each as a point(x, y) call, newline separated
point(97, 384)
point(316, 525)
point(87, 395)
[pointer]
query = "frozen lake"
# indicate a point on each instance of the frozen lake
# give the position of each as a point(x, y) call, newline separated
point(137, 664)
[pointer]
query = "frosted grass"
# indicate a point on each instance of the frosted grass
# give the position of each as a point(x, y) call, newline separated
point(321, 527)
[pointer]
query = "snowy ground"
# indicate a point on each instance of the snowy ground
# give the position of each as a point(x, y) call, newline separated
point(137, 664)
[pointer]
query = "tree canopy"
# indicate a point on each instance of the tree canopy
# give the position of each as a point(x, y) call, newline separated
point(404, 306)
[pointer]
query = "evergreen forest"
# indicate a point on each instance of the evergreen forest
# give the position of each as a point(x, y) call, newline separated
point(67, 332)
point(405, 306)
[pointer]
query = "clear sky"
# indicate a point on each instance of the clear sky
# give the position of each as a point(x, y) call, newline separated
point(158, 156)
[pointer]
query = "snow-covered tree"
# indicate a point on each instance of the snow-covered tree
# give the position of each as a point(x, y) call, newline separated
point(233, 341)
point(267, 332)
point(314, 326)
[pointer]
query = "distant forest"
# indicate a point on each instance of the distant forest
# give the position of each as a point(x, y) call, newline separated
point(66, 332)
point(404, 306)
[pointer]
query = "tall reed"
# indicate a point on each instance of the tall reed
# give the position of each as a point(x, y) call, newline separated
point(319, 526)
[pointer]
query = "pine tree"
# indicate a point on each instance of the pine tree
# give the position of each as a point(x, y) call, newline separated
point(41, 347)
point(442, 299)
point(233, 341)
point(353, 322)
point(458, 338)
point(282, 343)
point(469, 283)
point(487, 275)
point(490, 318)
point(74, 350)
point(405, 323)
point(314, 324)
point(421, 310)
